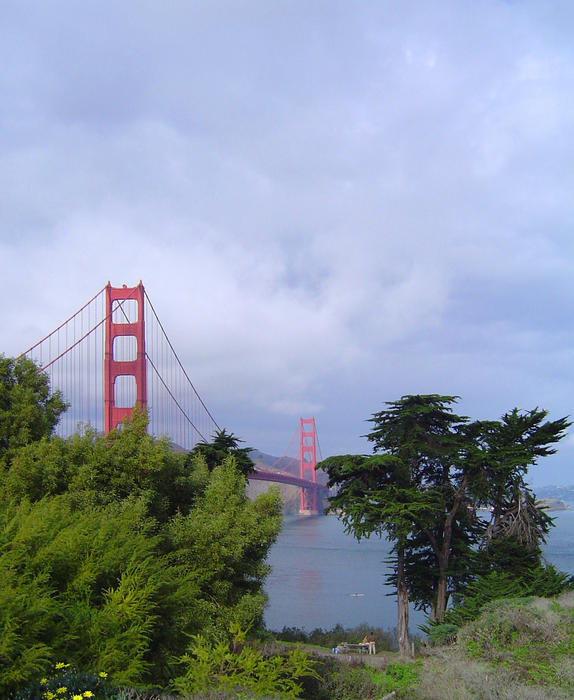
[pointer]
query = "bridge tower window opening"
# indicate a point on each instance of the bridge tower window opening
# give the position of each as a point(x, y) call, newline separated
point(125, 348)
point(125, 391)
point(124, 310)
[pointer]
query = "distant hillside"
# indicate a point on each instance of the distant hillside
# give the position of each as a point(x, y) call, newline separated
point(289, 494)
point(265, 461)
point(563, 493)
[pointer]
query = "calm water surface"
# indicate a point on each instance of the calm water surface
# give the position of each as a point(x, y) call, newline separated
point(321, 576)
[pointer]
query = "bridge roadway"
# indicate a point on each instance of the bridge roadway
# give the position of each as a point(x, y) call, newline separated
point(261, 475)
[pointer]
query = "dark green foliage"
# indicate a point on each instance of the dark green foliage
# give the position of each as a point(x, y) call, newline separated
point(415, 494)
point(223, 445)
point(440, 633)
point(97, 470)
point(542, 581)
point(340, 680)
point(423, 489)
point(509, 560)
point(499, 456)
point(428, 438)
point(28, 411)
point(75, 682)
point(421, 569)
point(114, 550)
point(234, 666)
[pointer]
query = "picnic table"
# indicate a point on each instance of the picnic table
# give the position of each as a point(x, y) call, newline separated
point(347, 647)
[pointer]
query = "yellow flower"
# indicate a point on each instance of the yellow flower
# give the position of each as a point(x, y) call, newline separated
point(103, 674)
point(88, 694)
point(60, 665)
point(61, 690)
point(76, 697)
point(43, 680)
point(48, 695)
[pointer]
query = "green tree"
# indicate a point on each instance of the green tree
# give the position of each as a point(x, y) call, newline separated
point(28, 410)
point(223, 445)
point(116, 549)
point(98, 470)
point(414, 486)
point(510, 554)
point(375, 496)
point(223, 541)
point(428, 438)
point(86, 586)
point(431, 470)
point(502, 453)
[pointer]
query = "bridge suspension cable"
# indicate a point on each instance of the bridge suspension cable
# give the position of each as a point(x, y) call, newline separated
point(73, 357)
point(190, 385)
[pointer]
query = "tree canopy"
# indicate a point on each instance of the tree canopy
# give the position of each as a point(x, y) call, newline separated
point(115, 549)
point(28, 409)
point(430, 472)
point(223, 445)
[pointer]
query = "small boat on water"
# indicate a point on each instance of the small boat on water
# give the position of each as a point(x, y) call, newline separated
point(356, 595)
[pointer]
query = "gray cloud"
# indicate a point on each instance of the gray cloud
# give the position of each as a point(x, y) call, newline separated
point(331, 204)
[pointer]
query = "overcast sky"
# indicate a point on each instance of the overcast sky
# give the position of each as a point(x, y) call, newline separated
point(331, 203)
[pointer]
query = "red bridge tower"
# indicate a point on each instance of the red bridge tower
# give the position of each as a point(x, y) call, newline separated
point(307, 462)
point(124, 338)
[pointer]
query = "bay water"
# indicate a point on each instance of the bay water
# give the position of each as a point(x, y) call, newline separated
point(321, 576)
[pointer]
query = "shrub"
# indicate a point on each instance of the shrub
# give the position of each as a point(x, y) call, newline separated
point(66, 683)
point(127, 554)
point(519, 635)
point(541, 581)
point(438, 634)
point(346, 682)
point(235, 666)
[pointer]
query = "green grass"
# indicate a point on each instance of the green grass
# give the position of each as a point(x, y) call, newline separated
point(396, 677)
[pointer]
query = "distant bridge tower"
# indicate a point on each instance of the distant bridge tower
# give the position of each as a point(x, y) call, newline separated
point(124, 354)
point(307, 462)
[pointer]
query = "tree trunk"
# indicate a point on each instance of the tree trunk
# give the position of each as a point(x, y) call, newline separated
point(402, 605)
point(441, 598)
point(443, 553)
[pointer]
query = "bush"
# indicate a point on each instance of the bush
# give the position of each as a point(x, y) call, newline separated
point(66, 683)
point(234, 666)
point(540, 581)
point(438, 634)
point(523, 636)
point(113, 551)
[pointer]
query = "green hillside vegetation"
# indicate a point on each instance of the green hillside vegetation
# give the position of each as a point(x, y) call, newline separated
point(130, 570)
point(115, 550)
point(516, 648)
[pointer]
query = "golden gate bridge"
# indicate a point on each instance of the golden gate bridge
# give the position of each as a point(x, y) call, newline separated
point(113, 354)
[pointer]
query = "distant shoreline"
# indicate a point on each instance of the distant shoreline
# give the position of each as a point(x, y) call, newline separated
point(552, 504)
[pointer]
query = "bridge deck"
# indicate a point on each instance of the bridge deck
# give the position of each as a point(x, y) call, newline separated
point(261, 475)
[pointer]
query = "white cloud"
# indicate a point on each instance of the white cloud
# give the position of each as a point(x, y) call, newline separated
point(326, 203)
